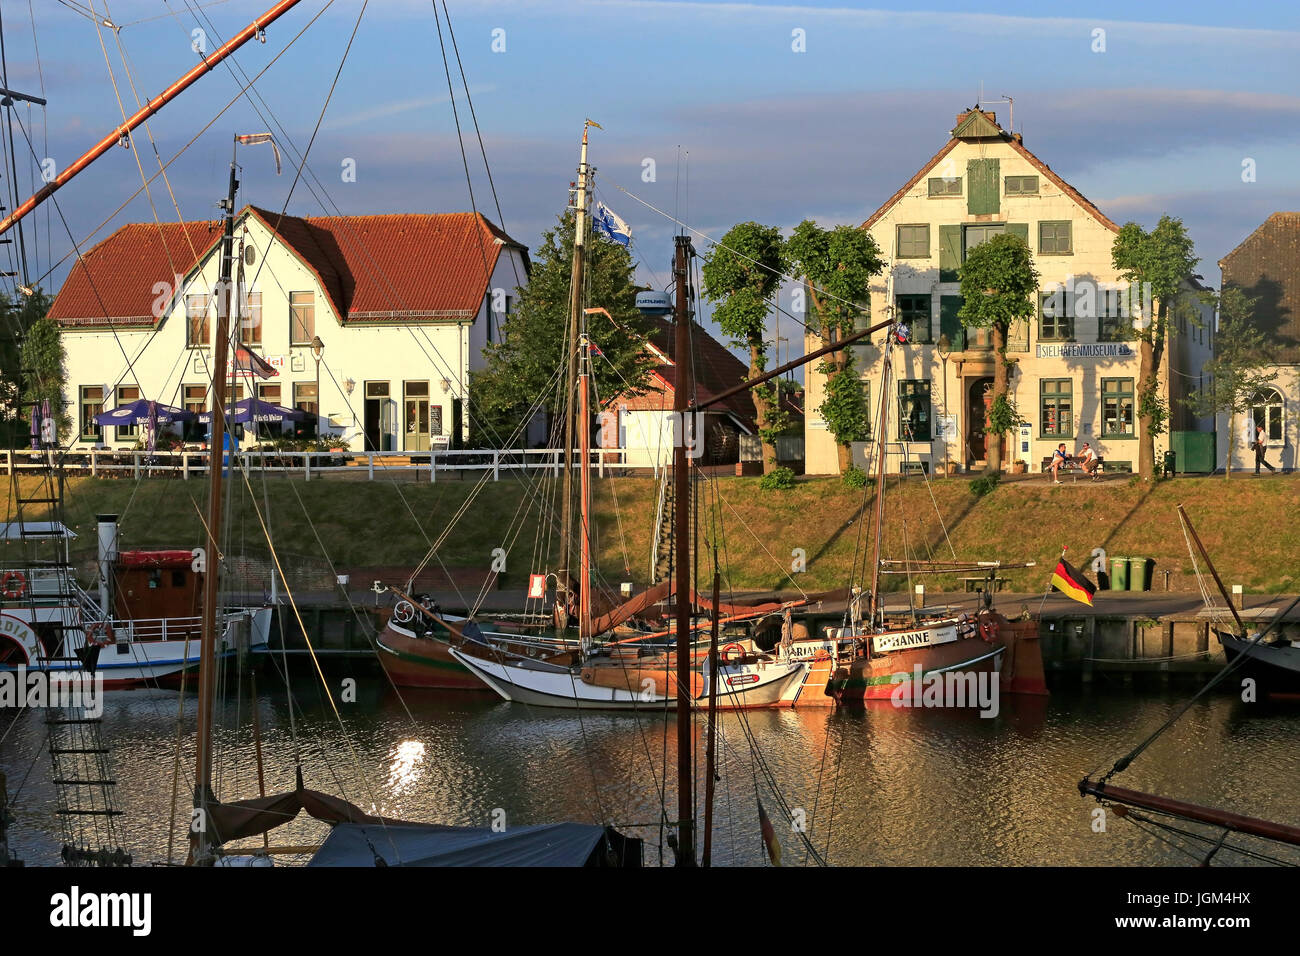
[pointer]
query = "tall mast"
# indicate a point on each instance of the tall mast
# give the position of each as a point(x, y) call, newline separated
point(201, 838)
point(584, 489)
point(876, 603)
point(575, 328)
point(683, 386)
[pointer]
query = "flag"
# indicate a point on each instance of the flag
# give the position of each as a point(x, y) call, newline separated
point(252, 139)
point(606, 221)
point(1072, 584)
point(250, 364)
point(769, 836)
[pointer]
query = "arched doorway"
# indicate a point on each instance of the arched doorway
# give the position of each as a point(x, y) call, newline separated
point(979, 402)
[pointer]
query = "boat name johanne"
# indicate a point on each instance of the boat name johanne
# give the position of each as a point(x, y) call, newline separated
point(903, 640)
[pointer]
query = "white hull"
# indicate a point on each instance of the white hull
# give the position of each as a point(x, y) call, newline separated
point(540, 685)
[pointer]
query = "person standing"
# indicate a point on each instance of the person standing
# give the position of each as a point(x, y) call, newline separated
point(1259, 449)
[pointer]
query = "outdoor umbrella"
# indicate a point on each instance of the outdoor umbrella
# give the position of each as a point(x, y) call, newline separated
point(141, 411)
point(255, 410)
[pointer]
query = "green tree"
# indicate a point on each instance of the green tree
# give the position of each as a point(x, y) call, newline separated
point(524, 372)
point(1239, 368)
point(16, 318)
point(998, 286)
point(1160, 260)
point(837, 266)
point(741, 274)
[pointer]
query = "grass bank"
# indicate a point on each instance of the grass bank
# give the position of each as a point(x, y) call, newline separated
point(1250, 526)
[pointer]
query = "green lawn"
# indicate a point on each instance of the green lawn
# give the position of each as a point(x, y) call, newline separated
point(1249, 525)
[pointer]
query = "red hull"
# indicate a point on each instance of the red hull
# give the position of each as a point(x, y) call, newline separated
point(424, 662)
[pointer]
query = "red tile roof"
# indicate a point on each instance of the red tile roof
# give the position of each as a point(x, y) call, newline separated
point(1012, 140)
point(404, 268)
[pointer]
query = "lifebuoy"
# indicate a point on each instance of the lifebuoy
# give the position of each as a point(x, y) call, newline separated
point(989, 629)
point(100, 634)
point(404, 612)
point(13, 585)
point(739, 649)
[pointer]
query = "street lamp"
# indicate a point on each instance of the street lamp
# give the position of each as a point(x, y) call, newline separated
point(944, 347)
point(317, 350)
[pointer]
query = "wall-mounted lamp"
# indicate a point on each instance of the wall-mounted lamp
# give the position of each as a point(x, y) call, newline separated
point(349, 385)
point(446, 385)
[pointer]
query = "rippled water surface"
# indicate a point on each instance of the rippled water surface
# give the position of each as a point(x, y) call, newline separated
point(879, 786)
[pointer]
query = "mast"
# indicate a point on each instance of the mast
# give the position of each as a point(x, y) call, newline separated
point(584, 491)
point(571, 378)
point(711, 738)
point(683, 386)
point(255, 29)
point(201, 841)
point(876, 603)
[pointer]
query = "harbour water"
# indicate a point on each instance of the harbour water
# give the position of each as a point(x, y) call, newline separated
point(880, 786)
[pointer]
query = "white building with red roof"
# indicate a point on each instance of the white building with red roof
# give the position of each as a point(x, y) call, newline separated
point(371, 322)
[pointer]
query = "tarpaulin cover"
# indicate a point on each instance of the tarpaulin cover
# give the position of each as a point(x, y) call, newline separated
point(245, 818)
point(547, 844)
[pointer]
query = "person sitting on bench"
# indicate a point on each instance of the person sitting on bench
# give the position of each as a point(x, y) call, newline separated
point(1059, 458)
point(1088, 462)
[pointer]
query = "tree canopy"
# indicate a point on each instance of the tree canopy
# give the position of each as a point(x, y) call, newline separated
point(525, 371)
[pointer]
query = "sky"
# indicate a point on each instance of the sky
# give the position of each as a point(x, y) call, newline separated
point(712, 113)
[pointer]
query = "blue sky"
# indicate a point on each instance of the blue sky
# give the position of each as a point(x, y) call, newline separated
point(1160, 121)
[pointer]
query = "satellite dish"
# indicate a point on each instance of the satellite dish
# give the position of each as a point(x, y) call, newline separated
point(250, 255)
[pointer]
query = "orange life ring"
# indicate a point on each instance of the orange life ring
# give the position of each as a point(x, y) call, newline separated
point(100, 634)
point(723, 653)
point(13, 585)
point(989, 629)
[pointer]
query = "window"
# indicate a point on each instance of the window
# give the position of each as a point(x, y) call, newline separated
point(1054, 239)
point(196, 321)
point(914, 410)
point(250, 319)
point(91, 404)
point(1021, 186)
point(945, 186)
point(914, 242)
point(1057, 408)
point(914, 312)
point(1117, 408)
point(196, 401)
point(304, 399)
point(1266, 412)
point(1055, 324)
point(302, 318)
point(126, 394)
point(1114, 321)
point(977, 234)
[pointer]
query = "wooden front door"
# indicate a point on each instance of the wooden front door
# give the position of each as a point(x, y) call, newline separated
point(979, 404)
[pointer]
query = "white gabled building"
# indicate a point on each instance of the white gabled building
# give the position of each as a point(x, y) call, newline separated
point(399, 308)
point(1077, 364)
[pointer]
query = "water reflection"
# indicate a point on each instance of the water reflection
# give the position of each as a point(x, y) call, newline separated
point(874, 786)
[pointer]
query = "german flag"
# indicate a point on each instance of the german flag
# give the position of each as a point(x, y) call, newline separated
point(1072, 584)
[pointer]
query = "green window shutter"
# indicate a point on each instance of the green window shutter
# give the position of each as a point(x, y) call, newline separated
point(949, 253)
point(949, 324)
point(982, 188)
point(1020, 229)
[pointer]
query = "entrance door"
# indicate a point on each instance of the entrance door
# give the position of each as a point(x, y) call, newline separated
point(979, 404)
point(416, 395)
point(378, 417)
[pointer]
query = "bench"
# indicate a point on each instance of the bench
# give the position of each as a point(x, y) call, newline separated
point(974, 583)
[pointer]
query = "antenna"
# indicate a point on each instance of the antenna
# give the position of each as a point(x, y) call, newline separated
point(1011, 119)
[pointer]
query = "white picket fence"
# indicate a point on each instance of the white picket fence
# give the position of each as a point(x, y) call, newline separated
point(603, 462)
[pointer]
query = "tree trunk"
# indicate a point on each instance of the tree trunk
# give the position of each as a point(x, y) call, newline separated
point(1001, 383)
point(846, 457)
point(762, 407)
point(1146, 386)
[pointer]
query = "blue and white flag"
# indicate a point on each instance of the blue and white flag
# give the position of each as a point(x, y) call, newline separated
point(607, 222)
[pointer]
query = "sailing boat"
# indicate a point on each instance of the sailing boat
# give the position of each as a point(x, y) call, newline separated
point(874, 657)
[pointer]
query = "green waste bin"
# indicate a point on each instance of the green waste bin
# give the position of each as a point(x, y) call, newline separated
point(1119, 574)
point(1139, 574)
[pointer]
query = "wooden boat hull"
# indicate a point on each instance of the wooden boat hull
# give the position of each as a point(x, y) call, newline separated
point(612, 687)
point(412, 661)
point(875, 678)
point(1274, 667)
